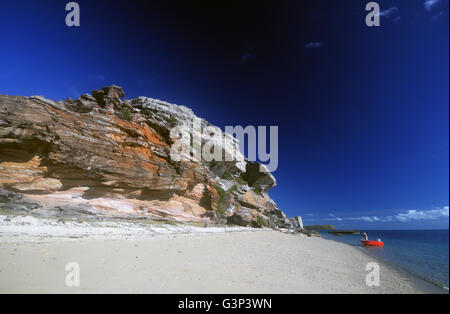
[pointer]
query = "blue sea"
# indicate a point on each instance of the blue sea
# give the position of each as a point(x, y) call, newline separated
point(423, 253)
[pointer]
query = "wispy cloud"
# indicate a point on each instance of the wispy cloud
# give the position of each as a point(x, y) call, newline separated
point(431, 4)
point(407, 216)
point(314, 45)
point(362, 218)
point(366, 218)
point(413, 214)
point(389, 12)
point(334, 217)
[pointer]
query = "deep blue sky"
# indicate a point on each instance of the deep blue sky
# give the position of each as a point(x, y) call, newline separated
point(363, 113)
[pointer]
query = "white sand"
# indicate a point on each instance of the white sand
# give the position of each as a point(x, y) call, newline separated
point(216, 262)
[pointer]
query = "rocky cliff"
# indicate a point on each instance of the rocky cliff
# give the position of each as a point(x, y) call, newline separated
point(103, 156)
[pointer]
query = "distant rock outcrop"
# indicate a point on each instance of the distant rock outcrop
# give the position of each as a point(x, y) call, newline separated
point(103, 155)
point(320, 227)
point(296, 223)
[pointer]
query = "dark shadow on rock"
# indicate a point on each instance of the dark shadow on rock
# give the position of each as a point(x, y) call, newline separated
point(16, 203)
point(24, 151)
point(205, 201)
point(155, 195)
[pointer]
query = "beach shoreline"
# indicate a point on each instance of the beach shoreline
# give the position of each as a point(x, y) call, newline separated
point(188, 259)
point(413, 271)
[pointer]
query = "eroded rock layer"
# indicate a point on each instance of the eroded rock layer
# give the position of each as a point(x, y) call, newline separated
point(104, 156)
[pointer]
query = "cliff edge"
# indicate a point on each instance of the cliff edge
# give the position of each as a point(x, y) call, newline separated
point(100, 155)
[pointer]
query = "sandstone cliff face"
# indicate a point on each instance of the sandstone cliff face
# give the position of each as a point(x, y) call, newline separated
point(104, 156)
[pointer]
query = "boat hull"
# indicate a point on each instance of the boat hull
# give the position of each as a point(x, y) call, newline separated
point(372, 243)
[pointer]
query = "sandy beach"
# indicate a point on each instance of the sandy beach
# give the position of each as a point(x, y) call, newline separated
point(183, 260)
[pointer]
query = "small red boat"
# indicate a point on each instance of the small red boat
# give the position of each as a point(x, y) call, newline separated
point(372, 243)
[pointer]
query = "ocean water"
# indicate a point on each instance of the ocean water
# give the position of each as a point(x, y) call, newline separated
point(423, 253)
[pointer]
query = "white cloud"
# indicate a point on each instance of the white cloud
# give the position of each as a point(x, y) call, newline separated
point(370, 219)
point(362, 218)
point(365, 218)
point(334, 217)
point(430, 4)
point(389, 12)
point(410, 215)
point(432, 214)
